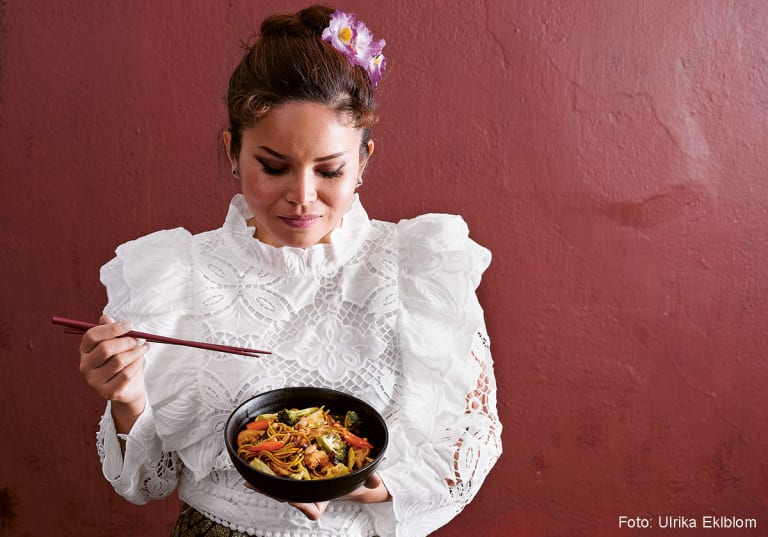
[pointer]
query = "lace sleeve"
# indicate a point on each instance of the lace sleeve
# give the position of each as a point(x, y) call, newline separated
point(480, 444)
point(147, 282)
point(445, 434)
point(146, 472)
point(432, 480)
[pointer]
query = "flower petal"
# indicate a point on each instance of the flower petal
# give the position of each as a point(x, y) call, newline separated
point(353, 39)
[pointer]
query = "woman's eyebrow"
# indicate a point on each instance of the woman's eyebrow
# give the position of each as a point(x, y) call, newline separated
point(329, 157)
point(288, 159)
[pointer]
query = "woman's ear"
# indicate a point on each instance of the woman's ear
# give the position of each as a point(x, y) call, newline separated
point(227, 136)
point(364, 162)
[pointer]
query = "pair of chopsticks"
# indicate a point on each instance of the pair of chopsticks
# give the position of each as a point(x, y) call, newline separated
point(78, 327)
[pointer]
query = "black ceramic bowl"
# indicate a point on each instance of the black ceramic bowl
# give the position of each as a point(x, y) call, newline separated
point(283, 488)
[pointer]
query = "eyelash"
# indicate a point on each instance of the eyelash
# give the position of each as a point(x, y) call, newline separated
point(335, 174)
point(276, 172)
point(272, 171)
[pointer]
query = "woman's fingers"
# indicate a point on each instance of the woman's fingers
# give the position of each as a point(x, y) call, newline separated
point(112, 365)
point(121, 362)
point(373, 481)
point(110, 377)
point(312, 511)
point(372, 491)
point(127, 385)
point(93, 336)
point(101, 355)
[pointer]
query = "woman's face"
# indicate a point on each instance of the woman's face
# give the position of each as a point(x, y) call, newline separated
point(299, 167)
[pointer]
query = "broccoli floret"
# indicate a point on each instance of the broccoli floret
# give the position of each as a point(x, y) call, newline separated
point(334, 446)
point(352, 421)
point(291, 416)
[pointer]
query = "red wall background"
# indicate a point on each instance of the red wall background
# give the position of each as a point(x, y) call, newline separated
point(612, 155)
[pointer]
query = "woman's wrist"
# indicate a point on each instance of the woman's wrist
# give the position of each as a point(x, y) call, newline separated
point(125, 415)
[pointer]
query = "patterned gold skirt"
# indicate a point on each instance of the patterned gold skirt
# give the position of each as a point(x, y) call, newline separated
point(192, 523)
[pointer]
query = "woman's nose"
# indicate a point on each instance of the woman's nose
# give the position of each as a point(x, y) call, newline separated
point(302, 189)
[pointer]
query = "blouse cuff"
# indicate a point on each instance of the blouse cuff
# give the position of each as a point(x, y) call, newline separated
point(383, 516)
point(417, 507)
point(113, 462)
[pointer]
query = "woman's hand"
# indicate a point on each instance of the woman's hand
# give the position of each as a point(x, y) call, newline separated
point(112, 366)
point(372, 491)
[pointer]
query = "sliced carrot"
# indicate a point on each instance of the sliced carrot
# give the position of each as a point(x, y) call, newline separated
point(355, 441)
point(258, 425)
point(266, 446)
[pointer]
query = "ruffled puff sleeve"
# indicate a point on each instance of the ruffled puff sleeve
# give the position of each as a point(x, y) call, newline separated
point(148, 283)
point(445, 434)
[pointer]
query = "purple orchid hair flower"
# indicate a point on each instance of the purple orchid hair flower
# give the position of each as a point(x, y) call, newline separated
point(353, 39)
point(376, 68)
point(341, 33)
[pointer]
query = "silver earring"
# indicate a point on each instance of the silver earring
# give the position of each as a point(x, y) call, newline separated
point(359, 181)
point(235, 172)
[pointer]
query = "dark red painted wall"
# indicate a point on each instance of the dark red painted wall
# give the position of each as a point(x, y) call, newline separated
point(612, 155)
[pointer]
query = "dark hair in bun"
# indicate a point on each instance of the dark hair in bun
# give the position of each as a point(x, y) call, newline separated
point(289, 62)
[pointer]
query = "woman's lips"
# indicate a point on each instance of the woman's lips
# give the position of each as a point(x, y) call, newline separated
point(300, 222)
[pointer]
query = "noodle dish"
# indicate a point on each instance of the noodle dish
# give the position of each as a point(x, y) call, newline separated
point(305, 444)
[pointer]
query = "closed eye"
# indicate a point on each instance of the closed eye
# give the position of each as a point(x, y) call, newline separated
point(332, 174)
point(269, 170)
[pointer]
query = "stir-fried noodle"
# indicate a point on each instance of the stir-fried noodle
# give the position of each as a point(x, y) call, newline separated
point(304, 444)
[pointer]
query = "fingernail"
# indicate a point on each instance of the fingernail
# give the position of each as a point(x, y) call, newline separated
point(125, 325)
point(140, 342)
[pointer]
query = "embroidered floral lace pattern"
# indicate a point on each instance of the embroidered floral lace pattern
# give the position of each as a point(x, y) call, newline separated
point(386, 312)
point(157, 475)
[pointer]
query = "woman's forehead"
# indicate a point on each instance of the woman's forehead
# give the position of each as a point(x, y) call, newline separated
point(301, 127)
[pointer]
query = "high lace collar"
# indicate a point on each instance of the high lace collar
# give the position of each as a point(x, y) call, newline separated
point(320, 258)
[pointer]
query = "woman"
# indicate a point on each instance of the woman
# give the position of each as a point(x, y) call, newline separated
point(386, 312)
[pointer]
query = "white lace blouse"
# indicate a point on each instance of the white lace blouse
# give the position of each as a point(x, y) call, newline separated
point(386, 312)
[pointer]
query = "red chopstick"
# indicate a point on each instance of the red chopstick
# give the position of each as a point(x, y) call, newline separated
point(81, 326)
